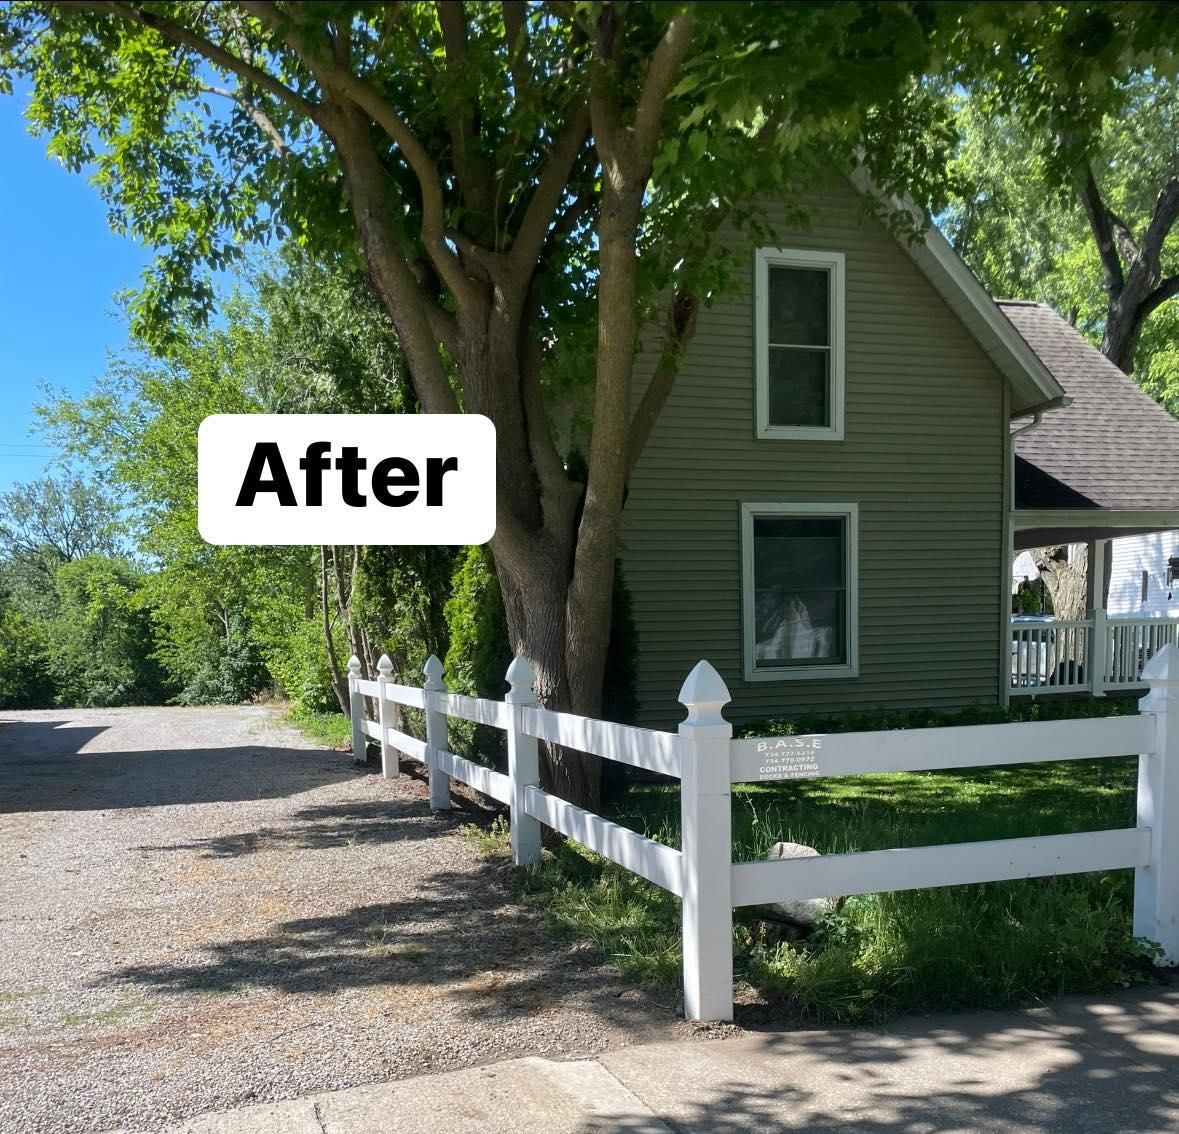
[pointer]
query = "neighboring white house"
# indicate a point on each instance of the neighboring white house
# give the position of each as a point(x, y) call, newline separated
point(1023, 570)
point(1144, 575)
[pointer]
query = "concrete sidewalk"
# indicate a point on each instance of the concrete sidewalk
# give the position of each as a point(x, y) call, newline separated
point(1080, 1065)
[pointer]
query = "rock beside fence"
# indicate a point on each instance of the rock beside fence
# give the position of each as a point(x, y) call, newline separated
point(802, 913)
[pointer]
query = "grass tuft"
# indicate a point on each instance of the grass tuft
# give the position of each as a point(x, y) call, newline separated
point(332, 729)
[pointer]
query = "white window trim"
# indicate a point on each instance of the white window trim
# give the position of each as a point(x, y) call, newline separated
point(798, 258)
point(850, 512)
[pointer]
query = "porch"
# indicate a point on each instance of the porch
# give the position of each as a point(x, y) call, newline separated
point(1096, 655)
point(1093, 466)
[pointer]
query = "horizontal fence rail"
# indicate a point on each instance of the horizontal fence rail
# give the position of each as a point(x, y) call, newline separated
point(639, 747)
point(955, 864)
point(494, 784)
point(706, 759)
point(651, 860)
point(475, 709)
point(932, 749)
point(403, 742)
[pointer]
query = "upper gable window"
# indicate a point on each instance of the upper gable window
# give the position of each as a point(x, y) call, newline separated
point(799, 322)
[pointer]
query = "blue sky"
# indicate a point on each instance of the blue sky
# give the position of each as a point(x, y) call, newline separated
point(60, 266)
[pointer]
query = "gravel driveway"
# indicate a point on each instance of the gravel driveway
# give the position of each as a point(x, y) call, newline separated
point(198, 909)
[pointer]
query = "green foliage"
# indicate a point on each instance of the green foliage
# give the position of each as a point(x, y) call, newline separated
point(295, 337)
point(876, 720)
point(400, 599)
point(46, 523)
point(231, 671)
point(1031, 598)
point(197, 176)
point(25, 682)
point(100, 637)
point(198, 160)
point(300, 667)
point(479, 650)
point(1017, 221)
point(479, 654)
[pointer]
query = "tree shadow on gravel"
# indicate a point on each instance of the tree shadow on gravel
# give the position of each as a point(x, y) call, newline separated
point(42, 768)
point(463, 934)
point(336, 825)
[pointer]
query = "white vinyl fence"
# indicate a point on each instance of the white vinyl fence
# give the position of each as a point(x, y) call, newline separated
point(706, 759)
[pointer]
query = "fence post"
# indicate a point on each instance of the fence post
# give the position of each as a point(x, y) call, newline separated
point(356, 711)
point(436, 735)
point(1099, 653)
point(1156, 887)
point(706, 846)
point(390, 765)
point(523, 762)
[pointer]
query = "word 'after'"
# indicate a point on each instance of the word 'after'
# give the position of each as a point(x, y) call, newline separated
point(394, 481)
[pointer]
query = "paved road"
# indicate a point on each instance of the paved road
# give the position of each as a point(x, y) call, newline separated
point(1077, 1067)
point(200, 909)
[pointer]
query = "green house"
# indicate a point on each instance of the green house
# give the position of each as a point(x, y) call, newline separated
point(828, 506)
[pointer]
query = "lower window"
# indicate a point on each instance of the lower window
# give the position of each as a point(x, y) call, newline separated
point(799, 590)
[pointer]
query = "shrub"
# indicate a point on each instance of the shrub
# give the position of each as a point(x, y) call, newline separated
point(231, 671)
point(25, 682)
point(876, 720)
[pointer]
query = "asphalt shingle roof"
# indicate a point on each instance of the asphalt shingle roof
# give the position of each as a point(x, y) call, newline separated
point(1113, 447)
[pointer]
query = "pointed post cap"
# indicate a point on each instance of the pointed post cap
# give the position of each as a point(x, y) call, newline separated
point(1161, 673)
point(433, 669)
point(385, 666)
point(520, 677)
point(354, 666)
point(704, 693)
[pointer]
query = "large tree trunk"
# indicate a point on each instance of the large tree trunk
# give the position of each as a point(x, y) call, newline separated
point(1065, 578)
point(535, 606)
point(555, 540)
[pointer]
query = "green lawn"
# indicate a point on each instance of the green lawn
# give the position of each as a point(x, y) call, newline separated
point(332, 729)
point(988, 945)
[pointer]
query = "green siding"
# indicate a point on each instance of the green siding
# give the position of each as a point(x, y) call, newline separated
point(922, 457)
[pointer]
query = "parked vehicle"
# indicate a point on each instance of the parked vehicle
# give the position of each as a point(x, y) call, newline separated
point(1033, 649)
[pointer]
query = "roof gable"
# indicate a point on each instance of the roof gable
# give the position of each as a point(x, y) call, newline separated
point(1032, 384)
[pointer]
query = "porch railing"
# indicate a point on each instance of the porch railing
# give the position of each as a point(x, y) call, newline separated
point(1091, 655)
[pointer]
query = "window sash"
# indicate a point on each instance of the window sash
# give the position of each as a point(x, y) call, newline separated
point(817, 422)
point(799, 622)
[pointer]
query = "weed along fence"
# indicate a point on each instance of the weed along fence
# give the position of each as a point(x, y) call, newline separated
point(707, 760)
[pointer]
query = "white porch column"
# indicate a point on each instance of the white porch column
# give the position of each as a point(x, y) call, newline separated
point(1099, 643)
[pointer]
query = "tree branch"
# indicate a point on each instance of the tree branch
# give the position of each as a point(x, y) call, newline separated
point(1166, 209)
point(514, 14)
point(463, 119)
point(260, 117)
point(550, 189)
point(1099, 222)
point(1125, 239)
point(215, 54)
point(362, 94)
point(666, 61)
point(681, 326)
point(1168, 289)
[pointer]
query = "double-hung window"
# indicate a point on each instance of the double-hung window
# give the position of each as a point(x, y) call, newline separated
point(799, 586)
point(799, 304)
